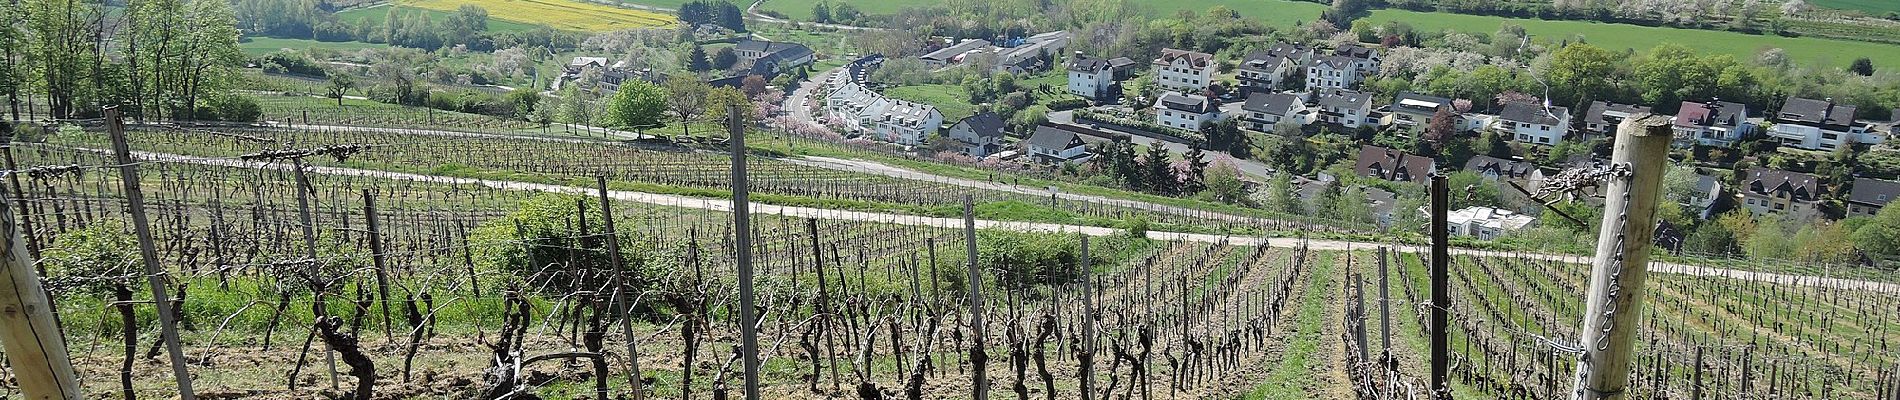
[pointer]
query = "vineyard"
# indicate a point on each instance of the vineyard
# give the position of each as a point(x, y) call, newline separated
point(391, 262)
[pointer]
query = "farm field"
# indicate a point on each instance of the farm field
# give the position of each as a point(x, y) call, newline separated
point(376, 13)
point(1873, 7)
point(265, 45)
point(573, 15)
point(1811, 51)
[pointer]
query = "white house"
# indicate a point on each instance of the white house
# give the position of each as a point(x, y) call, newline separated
point(1414, 112)
point(1365, 59)
point(979, 135)
point(1534, 123)
point(1263, 111)
point(1603, 117)
point(1057, 143)
point(1486, 223)
point(1345, 108)
point(1821, 125)
point(1183, 70)
point(1332, 72)
point(1269, 70)
point(1091, 78)
point(892, 120)
point(1716, 123)
point(849, 100)
point(1185, 112)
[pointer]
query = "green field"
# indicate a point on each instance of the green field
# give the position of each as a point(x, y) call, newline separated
point(376, 13)
point(951, 100)
point(266, 45)
point(1808, 51)
point(1876, 7)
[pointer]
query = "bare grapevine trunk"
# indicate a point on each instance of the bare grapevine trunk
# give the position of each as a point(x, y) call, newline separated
point(128, 324)
point(345, 345)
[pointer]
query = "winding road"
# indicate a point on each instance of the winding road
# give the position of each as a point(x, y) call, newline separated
point(722, 205)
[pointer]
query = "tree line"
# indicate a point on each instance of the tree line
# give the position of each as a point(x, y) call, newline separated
point(160, 59)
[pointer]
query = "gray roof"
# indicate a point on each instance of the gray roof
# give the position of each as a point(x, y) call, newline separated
point(1344, 98)
point(1271, 103)
point(1335, 62)
point(1801, 186)
point(1194, 58)
point(1811, 111)
point(1193, 103)
point(1533, 113)
point(770, 47)
point(985, 124)
point(1086, 64)
point(1120, 62)
point(951, 51)
point(1052, 136)
point(1414, 102)
point(1484, 164)
point(1261, 62)
point(1707, 184)
point(1598, 108)
point(1356, 51)
point(1288, 50)
point(1392, 165)
point(1874, 192)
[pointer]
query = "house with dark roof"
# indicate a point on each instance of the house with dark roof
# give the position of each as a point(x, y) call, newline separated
point(1094, 78)
point(1268, 71)
point(1766, 191)
point(1184, 70)
point(1603, 117)
point(979, 135)
point(1365, 59)
point(1534, 123)
point(1870, 195)
point(1186, 112)
point(1715, 123)
point(1413, 111)
point(1494, 168)
point(774, 57)
point(1820, 125)
point(1707, 189)
point(1057, 143)
point(1347, 108)
point(1263, 111)
point(1393, 165)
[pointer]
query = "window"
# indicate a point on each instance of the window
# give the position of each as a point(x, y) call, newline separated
point(1779, 207)
point(1543, 140)
point(1546, 128)
point(1523, 137)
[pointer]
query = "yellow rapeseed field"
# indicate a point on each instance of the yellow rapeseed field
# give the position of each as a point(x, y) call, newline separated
point(569, 15)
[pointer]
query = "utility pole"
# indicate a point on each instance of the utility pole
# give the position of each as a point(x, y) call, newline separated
point(31, 336)
point(979, 376)
point(742, 228)
point(148, 252)
point(1441, 290)
point(1621, 265)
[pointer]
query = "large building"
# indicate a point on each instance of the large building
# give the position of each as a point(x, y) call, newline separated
point(1821, 125)
point(1186, 112)
point(954, 54)
point(1534, 123)
point(1347, 108)
point(1414, 112)
point(771, 58)
point(1094, 78)
point(1333, 72)
point(868, 112)
point(1274, 69)
point(1183, 70)
point(1715, 123)
point(1767, 191)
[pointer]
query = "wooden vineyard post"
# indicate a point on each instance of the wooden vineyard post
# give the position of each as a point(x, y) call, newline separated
point(1441, 291)
point(1088, 325)
point(742, 229)
point(620, 295)
point(1385, 315)
point(40, 365)
point(376, 257)
point(979, 379)
point(1613, 307)
point(312, 269)
point(148, 252)
point(26, 223)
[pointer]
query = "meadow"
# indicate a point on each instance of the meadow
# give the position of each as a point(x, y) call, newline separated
point(376, 13)
point(1870, 6)
point(265, 45)
point(1807, 51)
point(568, 15)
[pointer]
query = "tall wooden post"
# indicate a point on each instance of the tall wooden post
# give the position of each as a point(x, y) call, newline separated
point(377, 257)
point(979, 376)
point(1088, 324)
point(742, 228)
point(311, 270)
point(148, 252)
point(1621, 265)
point(41, 366)
point(620, 296)
point(1441, 289)
point(1385, 313)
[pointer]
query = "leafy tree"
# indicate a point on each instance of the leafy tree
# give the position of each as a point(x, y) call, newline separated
point(1881, 235)
point(1196, 161)
point(820, 13)
point(729, 16)
point(724, 58)
point(686, 98)
point(1442, 126)
point(1468, 189)
point(1862, 66)
point(638, 105)
point(1458, 152)
point(1226, 135)
point(1158, 172)
point(1282, 196)
point(1581, 71)
point(94, 260)
point(522, 102)
point(547, 231)
point(1493, 144)
point(721, 99)
point(1224, 184)
point(340, 84)
point(696, 13)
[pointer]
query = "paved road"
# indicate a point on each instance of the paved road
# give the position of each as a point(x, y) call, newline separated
point(808, 212)
point(1249, 167)
point(795, 102)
